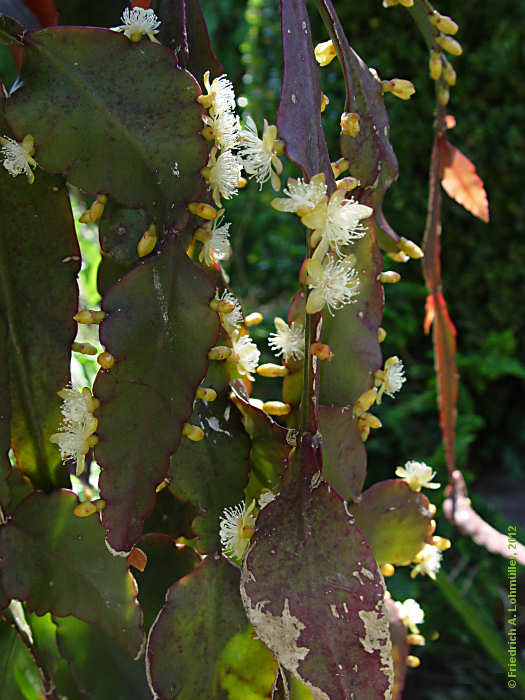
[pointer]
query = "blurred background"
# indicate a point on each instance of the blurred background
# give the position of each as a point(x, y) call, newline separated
point(483, 283)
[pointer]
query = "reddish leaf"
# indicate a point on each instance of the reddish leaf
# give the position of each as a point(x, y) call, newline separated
point(312, 590)
point(45, 10)
point(461, 181)
point(429, 314)
point(141, 3)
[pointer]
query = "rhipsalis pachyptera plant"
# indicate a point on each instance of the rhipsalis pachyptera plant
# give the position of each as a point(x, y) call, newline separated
point(258, 561)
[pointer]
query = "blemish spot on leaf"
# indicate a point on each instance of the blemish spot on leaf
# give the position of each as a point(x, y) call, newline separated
point(377, 638)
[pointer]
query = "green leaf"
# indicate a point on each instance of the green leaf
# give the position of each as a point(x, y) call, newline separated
point(247, 668)
point(171, 516)
point(58, 563)
point(351, 333)
point(37, 244)
point(212, 473)
point(203, 612)
point(108, 90)
point(159, 329)
point(167, 563)
point(312, 589)
point(120, 230)
point(19, 675)
point(10, 31)
point(5, 411)
point(395, 520)
point(344, 454)
point(99, 666)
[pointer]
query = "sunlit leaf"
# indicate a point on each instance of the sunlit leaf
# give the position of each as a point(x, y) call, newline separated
point(461, 181)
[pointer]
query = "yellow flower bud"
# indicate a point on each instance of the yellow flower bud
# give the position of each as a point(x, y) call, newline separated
point(410, 248)
point(381, 334)
point(399, 87)
point(148, 241)
point(407, 3)
point(87, 316)
point(389, 277)
point(160, 487)
point(84, 348)
point(207, 133)
point(350, 123)
point(370, 420)
point(28, 144)
point(222, 306)
point(365, 401)
point(206, 394)
point(205, 211)
point(398, 255)
point(106, 360)
point(387, 570)
point(444, 23)
point(443, 95)
point(324, 101)
point(449, 74)
point(272, 370)
point(413, 661)
point(85, 218)
point(435, 64)
point(416, 639)
point(253, 319)
point(442, 543)
point(219, 352)
point(193, 432)
point(322, 351)
point(97, 208)
point(339, 167)
point(83, 510)
point(276, 408)
point(325, 52)
point(449, 44)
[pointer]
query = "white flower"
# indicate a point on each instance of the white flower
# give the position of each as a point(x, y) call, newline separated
point(336, 223)
point(225, 128)
point(245, 354)
point(137, 22)
point(216, 242)
point(237, 526)
point(288, 341)
point(223, 174)
point(17, 156)
point(411, 613)
point(260, 155)
point(418, 475)
point(220, 97)
point(333, 282)
point(391, 378)
point(76, 434)
point(231, 320)
point(428, 561)
point(301, 196)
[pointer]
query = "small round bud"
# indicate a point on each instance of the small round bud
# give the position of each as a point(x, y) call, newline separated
point(85, 218)
point(339, 167)
point(202, 209)
point(148, 241)
point(381, 334)
point(253, 319)
point(410, 248)
point(83, 510)
point(399, 87)
point(449, 74)
point(276, 408)
point(350, 123)
point(444, 23)
point(365, 401)
point(387, 570)
point(325, 52)
point(435, 64)
point(160, 487)
point(206, 393)
point(449, 44)
point(413, 661)
point(219, 352)
point(398, 256)
point(321, 351)
point(272, 370)
point(389, 277)
point(88, 316)
point(84, 348)
point(193, 432)
point(222, 306)
point(324, 102)
point(443, 95)
point(106, 360)
point(442, 543)
point(416, 639)
point(407, 3)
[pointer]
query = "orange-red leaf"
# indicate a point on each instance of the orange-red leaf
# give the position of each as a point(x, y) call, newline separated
point(450, 121)
point(429, 314)
point(141, 3)
point(460, 180)
point(45, 11)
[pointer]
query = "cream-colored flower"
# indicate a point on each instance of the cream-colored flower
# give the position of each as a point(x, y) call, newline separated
point(223, 174)
point(418, 475)
point(302, 197)
point(215, 238)
point(245, 354)
point(225, 128)
point(18, 156)
point(391, 378)
point(237, 525)
point(333, 283)
point(138, 22)
point(231, 320)
point(288, 341)
point(411, 614)
point(428, 561)
point(220, 94)
point(76, 434)
point(260, 155)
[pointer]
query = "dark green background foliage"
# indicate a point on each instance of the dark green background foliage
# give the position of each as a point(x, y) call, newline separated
point(482, 279)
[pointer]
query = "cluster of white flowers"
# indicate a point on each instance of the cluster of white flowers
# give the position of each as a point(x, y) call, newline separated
point(288, 340)
point(411, 614)
point(77, 432)
point(237, 525)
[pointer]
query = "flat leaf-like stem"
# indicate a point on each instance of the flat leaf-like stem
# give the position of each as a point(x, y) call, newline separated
point(57, 563)
point(103, 122)
point(159, 329)
point(37, 240)
point(203, 612)
point(309, 578)
point(10, 31)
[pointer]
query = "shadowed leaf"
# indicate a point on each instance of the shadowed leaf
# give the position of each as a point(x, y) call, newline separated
point(394, 519)
point(203, 611)
point(108, 89)
point(19, 675)
point(57, 563)
point(5, 411)
point(120, 230)
point(37, 240)
point(308, 578)
point(299, 116)
point(45, 10)
point(160, 343)
point(10, 31)
point(461, 181)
